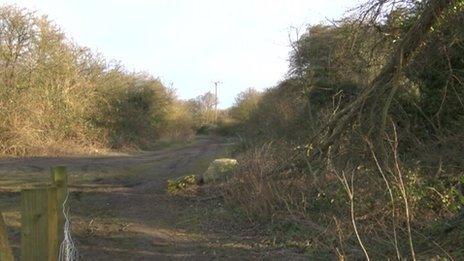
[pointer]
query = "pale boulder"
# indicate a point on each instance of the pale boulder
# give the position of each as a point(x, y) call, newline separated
point(220, 170)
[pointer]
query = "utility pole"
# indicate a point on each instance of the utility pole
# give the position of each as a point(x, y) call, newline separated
point(216, 100)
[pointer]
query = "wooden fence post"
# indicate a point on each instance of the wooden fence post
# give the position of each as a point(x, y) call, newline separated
point(5, 250)
point(39, 218)
point(60, 181)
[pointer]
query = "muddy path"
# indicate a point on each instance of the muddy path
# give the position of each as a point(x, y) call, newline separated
point(121, 211)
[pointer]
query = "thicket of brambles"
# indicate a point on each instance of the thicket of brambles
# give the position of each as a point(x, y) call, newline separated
point(56, 96)
point(358, 152)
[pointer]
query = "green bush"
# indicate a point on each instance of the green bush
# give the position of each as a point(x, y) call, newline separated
point(182, 183)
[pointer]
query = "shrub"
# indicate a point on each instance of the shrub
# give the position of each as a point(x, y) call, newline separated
point(182, 183)
point(57, 96)
point(378, 187)
point(245, 104)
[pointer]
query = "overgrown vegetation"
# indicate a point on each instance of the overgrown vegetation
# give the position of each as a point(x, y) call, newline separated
point(357, 153)
point(360, 147)
point(58, 97)
point(182, 183)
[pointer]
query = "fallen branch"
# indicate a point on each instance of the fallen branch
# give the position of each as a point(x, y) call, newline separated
point(381, 86)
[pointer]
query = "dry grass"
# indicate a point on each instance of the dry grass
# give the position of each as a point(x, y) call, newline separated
point(380, 174)
point(348, 210)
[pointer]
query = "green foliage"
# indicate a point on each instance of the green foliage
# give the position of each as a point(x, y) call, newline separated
point(438, 72)
point(437, 195)
point(179, 122)
point(181, 183)
point(245, 104)
point(279, 112)
point(328, 55)
point(132, 110)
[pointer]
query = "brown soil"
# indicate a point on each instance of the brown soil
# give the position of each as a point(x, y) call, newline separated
point(121, 211)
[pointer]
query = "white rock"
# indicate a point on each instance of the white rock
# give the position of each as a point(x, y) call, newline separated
point(219, 169)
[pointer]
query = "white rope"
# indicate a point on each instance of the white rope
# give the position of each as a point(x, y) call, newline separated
point(68, 250)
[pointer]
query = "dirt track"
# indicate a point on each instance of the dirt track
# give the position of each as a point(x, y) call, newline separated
point(121, 211)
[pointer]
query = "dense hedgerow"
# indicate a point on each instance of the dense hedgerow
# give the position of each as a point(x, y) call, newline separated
point(393, 193)
point(56, 96)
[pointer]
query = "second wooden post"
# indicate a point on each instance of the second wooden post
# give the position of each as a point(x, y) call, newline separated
point(60, 181)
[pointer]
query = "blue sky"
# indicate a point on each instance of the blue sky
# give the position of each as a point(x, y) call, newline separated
point(190, 44)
